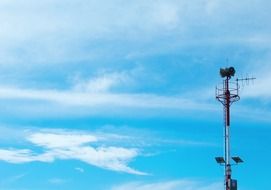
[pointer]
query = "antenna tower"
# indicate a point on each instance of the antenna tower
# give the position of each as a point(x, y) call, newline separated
point(227, 94)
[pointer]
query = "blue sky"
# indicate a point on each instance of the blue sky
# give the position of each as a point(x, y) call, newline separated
point(117, 95)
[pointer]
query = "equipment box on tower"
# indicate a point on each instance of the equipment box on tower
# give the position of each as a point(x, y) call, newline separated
point(233, 184)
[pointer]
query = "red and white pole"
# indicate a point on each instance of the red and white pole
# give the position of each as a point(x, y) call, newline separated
point(227, 133)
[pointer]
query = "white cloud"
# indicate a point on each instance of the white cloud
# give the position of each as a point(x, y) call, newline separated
point(63, 102)
point(259, 88)
point(102, 83)
point(101, 149)
point(51, 140)
point(59, 31)
point(81, 170)
point(57, 181)
point(75, 32)
point(16, 156)
point(65, 146)
point(170, 185)
point(95, 18)
point(12, 179)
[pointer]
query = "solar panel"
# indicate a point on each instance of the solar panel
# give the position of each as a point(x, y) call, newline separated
point(237, 159)
point(220, 160)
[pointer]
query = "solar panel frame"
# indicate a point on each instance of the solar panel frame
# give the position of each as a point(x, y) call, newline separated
point(237, 159)
point(220, 160)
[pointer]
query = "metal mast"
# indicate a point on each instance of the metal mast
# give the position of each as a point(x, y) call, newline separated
point(227, 94)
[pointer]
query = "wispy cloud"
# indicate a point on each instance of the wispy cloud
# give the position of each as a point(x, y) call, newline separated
point(260, 88)
point(12, 179)
point(94, 103)
point(57, 181)
point(257, 88)
point(92, 99)
point(170, 185)
point(83, 29)
point(75, 26)
point(65, 146)
point(51, 140)
point(106, 148)
point(103, 82)
point(81, 170)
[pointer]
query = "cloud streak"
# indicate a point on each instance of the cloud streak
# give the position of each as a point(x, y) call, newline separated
point(57, 102)
point(63, 146)
point(103, 149)
point(67, 32)
point(170, 185)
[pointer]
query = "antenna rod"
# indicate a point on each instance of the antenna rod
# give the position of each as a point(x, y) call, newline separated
point(245, 79)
